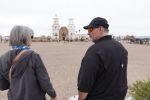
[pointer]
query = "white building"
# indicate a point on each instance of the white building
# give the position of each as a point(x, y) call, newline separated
point(71, 32)
point(71, 28)
point(55, 27)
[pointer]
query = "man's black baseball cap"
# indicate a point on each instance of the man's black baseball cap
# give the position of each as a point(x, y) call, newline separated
point(96, 22)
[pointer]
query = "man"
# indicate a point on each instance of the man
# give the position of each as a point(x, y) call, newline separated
point(103, 72)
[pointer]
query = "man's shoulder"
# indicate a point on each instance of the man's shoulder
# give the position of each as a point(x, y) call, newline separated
point(92, 48)
point(96, 46)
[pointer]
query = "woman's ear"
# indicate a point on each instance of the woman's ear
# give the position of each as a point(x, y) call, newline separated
point(29, 43)
point(24, 41)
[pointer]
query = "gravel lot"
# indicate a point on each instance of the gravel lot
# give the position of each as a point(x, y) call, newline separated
point(63, 62)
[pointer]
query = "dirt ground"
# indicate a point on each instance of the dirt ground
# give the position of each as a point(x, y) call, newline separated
point(63, 62)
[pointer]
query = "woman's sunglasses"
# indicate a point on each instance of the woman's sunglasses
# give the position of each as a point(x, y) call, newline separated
point(31, 36)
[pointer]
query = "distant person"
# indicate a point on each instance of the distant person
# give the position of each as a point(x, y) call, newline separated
point(22, 69)
point(103, 72)
point(64, 37)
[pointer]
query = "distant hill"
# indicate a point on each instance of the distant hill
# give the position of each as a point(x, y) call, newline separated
point(142, 37)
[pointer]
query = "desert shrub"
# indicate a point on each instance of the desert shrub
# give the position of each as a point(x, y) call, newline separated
point(140, 90)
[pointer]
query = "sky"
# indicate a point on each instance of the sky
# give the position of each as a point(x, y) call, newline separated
point(125, 17)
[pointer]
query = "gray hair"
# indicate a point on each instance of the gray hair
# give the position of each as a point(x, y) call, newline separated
point(20, 35)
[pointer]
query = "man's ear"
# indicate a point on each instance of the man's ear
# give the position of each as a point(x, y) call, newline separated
point(101, 28)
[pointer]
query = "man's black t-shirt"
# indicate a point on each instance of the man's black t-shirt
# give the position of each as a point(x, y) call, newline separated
point(103, 72)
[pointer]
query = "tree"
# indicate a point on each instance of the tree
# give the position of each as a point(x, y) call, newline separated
point(129, 37)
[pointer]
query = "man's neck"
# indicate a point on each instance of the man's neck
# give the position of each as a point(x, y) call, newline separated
point(103, 34)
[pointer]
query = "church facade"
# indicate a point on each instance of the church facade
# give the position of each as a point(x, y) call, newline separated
point(63, 32)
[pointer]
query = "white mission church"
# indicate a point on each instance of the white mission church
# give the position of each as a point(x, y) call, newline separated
point(65, 32)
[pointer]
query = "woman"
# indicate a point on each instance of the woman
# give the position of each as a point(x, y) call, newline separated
point(24, 69)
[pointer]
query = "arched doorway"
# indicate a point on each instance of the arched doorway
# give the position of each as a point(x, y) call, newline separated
point(63, 33)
